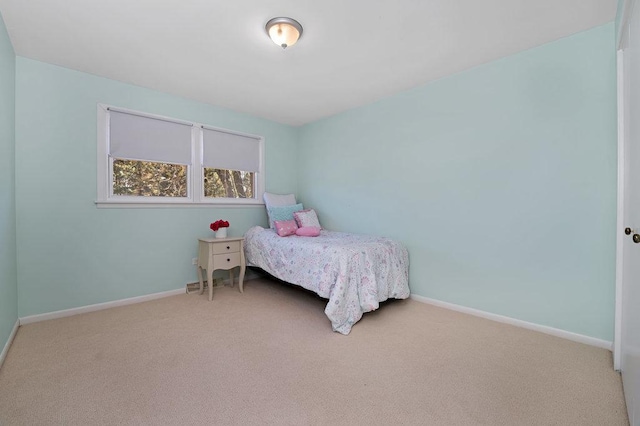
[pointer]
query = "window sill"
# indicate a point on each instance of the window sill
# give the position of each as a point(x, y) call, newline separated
point(123, 204)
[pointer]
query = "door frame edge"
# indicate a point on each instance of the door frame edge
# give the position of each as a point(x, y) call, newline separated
point(617, 341)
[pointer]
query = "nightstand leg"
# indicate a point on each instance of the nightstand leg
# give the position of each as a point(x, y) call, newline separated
point(210, 281)
point(200, 279)
point(243, 266)
point(241, 278)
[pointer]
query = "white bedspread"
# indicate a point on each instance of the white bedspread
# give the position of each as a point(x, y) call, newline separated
point(355, 272)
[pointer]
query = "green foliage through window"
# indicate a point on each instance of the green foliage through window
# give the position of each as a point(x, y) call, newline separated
point(147, 179)
point(220, 183)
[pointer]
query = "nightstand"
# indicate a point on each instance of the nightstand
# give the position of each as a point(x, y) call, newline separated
point(220, 253)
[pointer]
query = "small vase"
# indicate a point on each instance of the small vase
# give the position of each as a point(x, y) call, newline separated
point(221, 233)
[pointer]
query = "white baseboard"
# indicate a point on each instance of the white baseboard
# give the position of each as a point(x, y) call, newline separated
point(580, 338)
point(99, 306)
point(7, 345)
point(106, 305)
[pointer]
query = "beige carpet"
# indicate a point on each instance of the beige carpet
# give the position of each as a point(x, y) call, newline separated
point(268, 356)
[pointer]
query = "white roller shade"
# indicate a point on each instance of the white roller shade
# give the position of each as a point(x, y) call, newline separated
point(134, 137)
point(229, 151)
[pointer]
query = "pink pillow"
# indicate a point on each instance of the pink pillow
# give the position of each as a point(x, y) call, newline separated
point(285, 227)
point(306, 218)
point(308, 231)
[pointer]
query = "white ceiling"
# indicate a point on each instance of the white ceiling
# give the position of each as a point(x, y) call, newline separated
point(352, 52)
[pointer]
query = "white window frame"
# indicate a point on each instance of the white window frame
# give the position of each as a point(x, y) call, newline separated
point(195, 171)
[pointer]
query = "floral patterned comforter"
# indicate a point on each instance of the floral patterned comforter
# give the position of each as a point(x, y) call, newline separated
point(355, 272)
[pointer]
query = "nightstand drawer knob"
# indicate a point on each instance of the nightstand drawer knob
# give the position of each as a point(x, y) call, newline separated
point(228, 260)
point(228, 247)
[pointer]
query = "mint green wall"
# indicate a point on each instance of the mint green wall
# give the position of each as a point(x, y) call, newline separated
point(8, 272)
point(500, 180)
point(72, 254)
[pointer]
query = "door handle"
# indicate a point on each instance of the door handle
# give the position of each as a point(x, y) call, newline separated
point(636, 237)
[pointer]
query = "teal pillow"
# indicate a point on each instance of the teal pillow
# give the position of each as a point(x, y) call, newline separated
point(283, 212)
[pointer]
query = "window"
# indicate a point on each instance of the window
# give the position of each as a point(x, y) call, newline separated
point(230, 163)
point(148, 160)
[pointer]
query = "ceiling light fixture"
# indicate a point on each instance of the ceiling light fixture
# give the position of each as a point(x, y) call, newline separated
point(284, 32)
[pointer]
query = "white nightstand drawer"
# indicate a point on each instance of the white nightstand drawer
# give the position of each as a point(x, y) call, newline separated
point(226, 261)
point(226, 247)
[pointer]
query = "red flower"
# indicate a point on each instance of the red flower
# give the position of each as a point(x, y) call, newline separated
point(219, 224)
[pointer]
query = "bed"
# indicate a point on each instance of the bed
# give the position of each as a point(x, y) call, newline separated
point(355, 272)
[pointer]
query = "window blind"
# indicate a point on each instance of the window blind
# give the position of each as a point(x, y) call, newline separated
point(229, 151)
point(133, 137)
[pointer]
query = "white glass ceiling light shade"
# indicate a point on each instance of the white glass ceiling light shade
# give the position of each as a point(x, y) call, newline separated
point(284, 32)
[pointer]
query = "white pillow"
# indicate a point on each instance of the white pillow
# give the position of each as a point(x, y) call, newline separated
point(271, 200)
point(279, 200)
